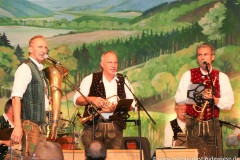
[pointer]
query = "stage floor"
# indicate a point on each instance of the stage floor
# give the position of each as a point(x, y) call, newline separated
point(111, 154)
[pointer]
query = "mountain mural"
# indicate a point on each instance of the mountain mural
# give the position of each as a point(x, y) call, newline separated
point(22, 9)
point(106, 5)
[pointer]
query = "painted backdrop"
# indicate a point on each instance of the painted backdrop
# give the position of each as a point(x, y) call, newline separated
point(155, 41)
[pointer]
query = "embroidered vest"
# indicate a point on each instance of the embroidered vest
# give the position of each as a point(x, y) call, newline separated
point(33, 101)
point(176, 128)
point(198, 77)
point(97, 88)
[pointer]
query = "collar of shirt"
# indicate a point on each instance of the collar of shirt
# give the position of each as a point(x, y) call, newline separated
point(110, 89)
point(113, 80)
point(7, 119)
point(181, 124)
point(40, 66)
point(205, 72)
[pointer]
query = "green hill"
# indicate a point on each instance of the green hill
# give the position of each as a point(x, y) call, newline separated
point(22, 9)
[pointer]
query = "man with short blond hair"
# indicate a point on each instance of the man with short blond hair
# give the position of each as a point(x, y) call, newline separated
point(203, 124)
point(30, 96)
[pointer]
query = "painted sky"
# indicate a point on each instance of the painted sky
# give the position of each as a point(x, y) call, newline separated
point(59, 5)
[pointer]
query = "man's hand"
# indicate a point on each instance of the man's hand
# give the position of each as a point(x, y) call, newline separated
point(98, 102)
point(207, 94)
point(17, 134)
point(109, 108)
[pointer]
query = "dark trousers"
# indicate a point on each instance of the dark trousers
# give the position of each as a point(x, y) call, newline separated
point(107, 132)
point(200, 135)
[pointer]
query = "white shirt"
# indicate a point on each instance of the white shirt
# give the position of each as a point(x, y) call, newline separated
point(7, 119)
point(226, 99)
point(22, 78)
point(168, 133)
point(110, 89)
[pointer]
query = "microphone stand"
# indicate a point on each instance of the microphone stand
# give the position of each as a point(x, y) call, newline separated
point(78, 90)
point(212, 103)
point(139, 106)
point(228, 123)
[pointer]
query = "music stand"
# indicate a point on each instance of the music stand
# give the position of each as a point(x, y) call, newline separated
point(121, 111)
point(123, 105)
point(195, 93)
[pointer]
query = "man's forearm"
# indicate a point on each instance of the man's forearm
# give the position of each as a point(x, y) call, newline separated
point(16, 104)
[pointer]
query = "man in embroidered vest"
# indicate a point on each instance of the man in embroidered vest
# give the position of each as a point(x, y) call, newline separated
point(175, 126)
point(200, 133)
point(102, 89)
point(29, 97)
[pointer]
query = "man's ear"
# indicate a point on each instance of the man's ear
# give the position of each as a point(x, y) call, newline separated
point(213, 57)
point(101, 65)
point(30, 49)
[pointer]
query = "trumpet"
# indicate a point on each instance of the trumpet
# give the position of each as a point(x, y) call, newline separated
point(108, 105)
point(83, 120)
point(200, 117)
point(207, 94)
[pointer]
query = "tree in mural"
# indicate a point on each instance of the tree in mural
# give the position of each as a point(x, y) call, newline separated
point(19, 53)
point(213, 21)
point(4, 41)
point(8, 64)
point(64, 55)
point(232, 22)
point(164, 83)
point(228, 59)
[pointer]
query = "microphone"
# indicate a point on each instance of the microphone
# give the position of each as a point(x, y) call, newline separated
point(120, 75)
point(206, 63)
point(117, 75)
point(51, 59)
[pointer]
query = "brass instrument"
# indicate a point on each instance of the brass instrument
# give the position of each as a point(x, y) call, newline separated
point(200, 117)
point(83, 120)
point(204, 106)
point(55, 75)
point(107, 105)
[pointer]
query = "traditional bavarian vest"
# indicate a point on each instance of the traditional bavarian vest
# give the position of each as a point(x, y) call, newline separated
point(198, 77)
point(33, 101)
point(97, 88)
point(176, 128)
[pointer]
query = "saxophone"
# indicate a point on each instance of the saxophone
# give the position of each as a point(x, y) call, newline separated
point(55, 75)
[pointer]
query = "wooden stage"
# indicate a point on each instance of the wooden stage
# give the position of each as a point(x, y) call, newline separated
point(111, 154)
point(135, 154)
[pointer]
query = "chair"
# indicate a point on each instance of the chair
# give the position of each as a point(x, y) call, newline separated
point(133, 143)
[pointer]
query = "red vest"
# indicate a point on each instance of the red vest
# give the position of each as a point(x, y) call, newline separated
point(198, 77)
